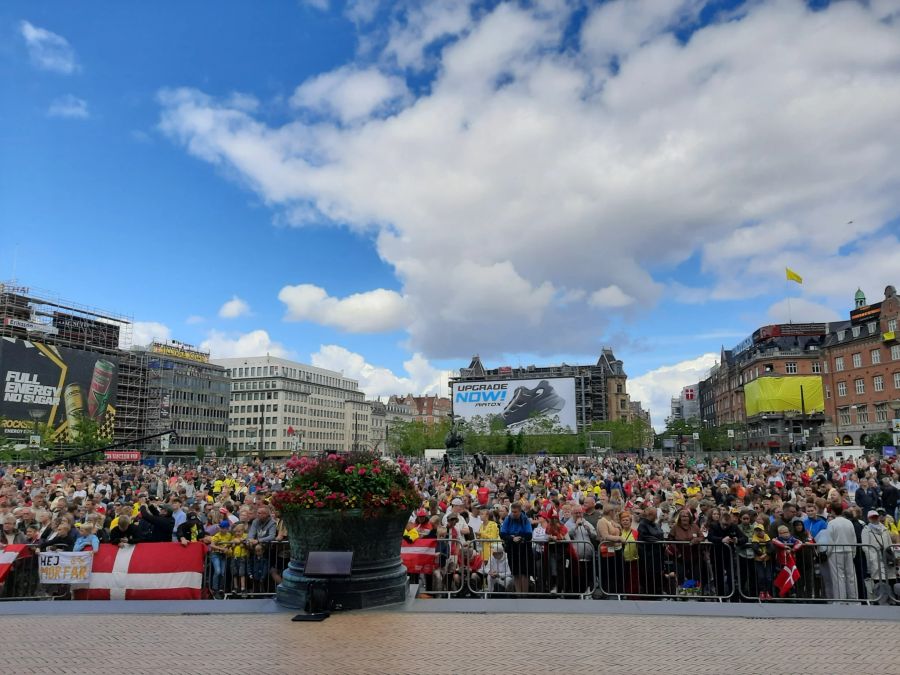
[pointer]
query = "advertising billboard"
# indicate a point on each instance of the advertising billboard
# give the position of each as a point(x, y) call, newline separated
point(55, 386)
point(88, 331)
point(520, 405)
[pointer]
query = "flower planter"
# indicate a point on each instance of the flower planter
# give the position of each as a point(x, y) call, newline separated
point(378, 577)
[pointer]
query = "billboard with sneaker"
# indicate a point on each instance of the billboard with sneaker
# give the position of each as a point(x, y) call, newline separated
point(533, 406)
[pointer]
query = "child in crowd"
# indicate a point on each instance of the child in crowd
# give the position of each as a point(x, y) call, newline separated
point(258, 570)
point(86, 538)
point(760, 543)
point(219, 550)
point(240, 555)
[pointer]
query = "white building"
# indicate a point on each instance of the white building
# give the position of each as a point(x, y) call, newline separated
point(279, 406)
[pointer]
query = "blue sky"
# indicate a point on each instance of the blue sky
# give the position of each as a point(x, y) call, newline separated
point(388, 188)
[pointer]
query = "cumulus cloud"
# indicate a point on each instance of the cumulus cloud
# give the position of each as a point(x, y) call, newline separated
point(800, 310)
point(348, 93)
point(656, 388)
point(374, 311)
point(194, 319)
point(419, 377)
point(47, 50)
point(145, 332)
point(234, 308)
point(534, 162)
point(255, 343)
point(70, 107)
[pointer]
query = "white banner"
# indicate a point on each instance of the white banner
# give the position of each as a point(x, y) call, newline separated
point(532, 406)
point(66, 568)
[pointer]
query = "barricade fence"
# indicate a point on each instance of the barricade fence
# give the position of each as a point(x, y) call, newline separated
point(491, 568)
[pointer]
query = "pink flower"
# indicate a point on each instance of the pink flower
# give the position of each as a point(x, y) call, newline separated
point(332, 456)
point(376, 470)
point(349, 469)
point(319, 505)
point(362, 471)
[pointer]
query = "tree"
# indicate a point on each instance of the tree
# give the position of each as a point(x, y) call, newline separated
point(200, 453)
point(879, 440)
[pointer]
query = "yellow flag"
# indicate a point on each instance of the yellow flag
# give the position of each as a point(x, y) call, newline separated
point(792, 275)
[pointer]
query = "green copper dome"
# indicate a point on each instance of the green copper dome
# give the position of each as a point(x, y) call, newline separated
point(860, 295)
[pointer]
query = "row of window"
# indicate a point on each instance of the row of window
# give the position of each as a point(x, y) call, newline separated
point(295, 373)
point(862, 414)
point(859, 384)
point(874, 358)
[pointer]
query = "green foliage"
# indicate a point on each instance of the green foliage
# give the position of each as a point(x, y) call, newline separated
point(626, 436)
point(879, 440)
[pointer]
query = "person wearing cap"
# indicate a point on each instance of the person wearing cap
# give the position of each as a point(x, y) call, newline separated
point(220, 548)
point(456, 506)
point(762, 581)
point(879, 552)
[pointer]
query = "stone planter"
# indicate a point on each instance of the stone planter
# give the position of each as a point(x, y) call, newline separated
point(377, 577)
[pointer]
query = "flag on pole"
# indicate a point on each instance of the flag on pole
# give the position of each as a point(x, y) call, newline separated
point(9, 555)
point(792, 275)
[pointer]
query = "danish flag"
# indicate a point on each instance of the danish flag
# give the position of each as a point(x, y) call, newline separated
point(420, 556)
point(9, 555)
point(161, 571)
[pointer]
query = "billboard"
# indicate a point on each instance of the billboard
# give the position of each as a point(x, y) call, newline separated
point(800, 393)
point(520, 405)
point(100, 334)
point(179, 350)
point(55, 386)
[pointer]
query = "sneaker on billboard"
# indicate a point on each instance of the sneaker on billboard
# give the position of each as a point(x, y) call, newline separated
point(525, 403)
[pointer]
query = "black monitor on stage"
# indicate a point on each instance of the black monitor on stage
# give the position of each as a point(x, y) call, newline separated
point(319, 568)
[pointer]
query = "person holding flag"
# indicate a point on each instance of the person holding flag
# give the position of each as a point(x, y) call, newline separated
point(785, 546)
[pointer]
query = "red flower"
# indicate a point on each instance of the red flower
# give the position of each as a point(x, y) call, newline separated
point(376, 470)
point(319, 505)
point(362, 471)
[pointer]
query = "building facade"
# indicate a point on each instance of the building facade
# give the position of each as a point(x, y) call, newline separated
point(184, 392)
point(280, 406)
point(427, 409)
point(863, 372)
point(383, 417)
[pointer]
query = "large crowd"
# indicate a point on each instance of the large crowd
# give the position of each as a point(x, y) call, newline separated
point(732, 527)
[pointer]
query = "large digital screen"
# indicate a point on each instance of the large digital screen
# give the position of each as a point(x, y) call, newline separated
point(56, 386)
point(531, 406)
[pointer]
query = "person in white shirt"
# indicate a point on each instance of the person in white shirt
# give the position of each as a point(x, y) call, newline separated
point(840, 555)
point(877, 541)
point(499, 574)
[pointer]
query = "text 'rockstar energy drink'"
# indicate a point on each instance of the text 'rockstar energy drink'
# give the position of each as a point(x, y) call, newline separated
point(74, 408)
point(98, 395)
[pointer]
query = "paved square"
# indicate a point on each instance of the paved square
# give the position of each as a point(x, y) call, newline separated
point(384, 642)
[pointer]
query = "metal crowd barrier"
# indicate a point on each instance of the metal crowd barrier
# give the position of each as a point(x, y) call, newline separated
point(261, 574)
point(681, 570)
point(22, 583)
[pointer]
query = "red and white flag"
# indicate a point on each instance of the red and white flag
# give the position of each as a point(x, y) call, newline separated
point(9, 555)
point(420, 556)
point(160, 571)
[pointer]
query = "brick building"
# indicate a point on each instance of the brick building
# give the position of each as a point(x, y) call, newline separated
point(863, 380)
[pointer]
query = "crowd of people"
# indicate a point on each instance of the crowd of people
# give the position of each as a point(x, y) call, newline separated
point(732, 527)
point(788, 527)
point(78, 508)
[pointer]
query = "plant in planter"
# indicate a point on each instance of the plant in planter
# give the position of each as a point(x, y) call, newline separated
point(356, 502)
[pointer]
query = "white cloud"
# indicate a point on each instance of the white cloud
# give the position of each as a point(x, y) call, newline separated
point(522, 170)
point(255, 343)
point(145, 332)
point(48, 50)
point(194, 319)
point(348, 93)
point(70, 107)
point(656, 388)
point(321, 5)
point(420, 376)
point(234, 308)
point(800, 310)
point(610, 297)
point(374, 311)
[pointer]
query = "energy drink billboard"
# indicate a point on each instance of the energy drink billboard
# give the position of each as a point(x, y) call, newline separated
point(521, 405)
point(55, 386)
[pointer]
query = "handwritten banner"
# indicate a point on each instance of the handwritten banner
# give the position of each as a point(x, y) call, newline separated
point(66, 568)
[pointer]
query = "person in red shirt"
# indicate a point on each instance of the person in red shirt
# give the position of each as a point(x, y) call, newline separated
point(483, 493)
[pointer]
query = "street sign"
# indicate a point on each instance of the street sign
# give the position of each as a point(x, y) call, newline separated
point(164, 443)
point(896, 425)
point(731, 433)
point(806, 433)
point(696, 436)
point(34, 441)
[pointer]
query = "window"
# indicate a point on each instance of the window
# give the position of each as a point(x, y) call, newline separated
point(876, 356)
point(844, 416)
point(862, 414)
point(855, 331)
point(773, 431)
point(892, 326)
point(896, 380)
point(790, 368)
point(895, 353)
point(872, 327)
point(857, 360)
point(839, 364)
point(881, 412)
point(860, 386)
point(878, 381)
point(842, 388)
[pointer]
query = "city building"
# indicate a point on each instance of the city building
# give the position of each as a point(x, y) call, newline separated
point(862, 390)
point(600, 390)
point(427, 409)
point(182, 391)
point(72, 354)
point(383, 417)
point(638, 412)
point(280, 406)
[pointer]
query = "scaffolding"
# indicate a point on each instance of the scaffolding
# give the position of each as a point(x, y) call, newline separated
point(41, 316)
